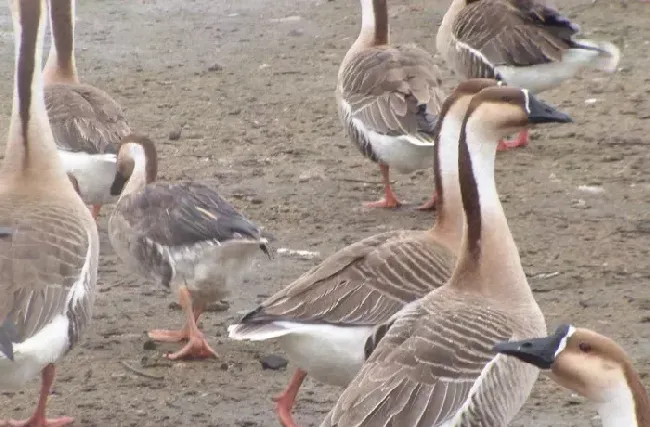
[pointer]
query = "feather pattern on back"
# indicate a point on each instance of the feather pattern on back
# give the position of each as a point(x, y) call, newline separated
point(39, 266)
point(489, 33)
point(84, 118)
point(435, 367)
point(386, 88)
point(362, 284)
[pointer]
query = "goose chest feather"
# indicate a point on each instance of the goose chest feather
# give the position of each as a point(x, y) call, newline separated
point(48, 240)
point(432, 363)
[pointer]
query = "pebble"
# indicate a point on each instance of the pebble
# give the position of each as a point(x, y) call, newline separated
point(273, 362)
point(175, 135)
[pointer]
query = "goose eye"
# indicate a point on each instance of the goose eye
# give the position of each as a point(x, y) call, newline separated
point(584, 347)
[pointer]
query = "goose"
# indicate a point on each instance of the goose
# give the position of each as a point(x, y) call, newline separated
point(522, 42)
point(87, 123)
point(49, 245)
point(432, 363)
point(387, 97)
point(183, 235)
point(591, 365)
point(323, 319)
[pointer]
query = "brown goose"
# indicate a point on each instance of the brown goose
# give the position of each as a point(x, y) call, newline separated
point(522, 42)
point(86, 122)
point(387, 97)
point(593, 366)
point(182, 234)
point(323, 319)
point(434, 364)
point(48, 239)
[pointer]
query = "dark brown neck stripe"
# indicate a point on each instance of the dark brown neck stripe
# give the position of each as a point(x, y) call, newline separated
point(30, 11)
point(469, 193)
point(61, 17)
point(150, 154)
point(381, 22)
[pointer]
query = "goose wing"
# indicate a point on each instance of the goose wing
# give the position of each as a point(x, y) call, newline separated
point(435, 367)
point(392, 91)
point(490, 33)
point(84, 118)
point(44, 252)
point(184, 213)
point(362, 284)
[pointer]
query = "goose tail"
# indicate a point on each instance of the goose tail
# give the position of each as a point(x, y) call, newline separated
point(256, 332)
point(608, 54)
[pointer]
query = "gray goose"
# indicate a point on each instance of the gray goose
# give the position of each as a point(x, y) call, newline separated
point(432, 363)
point(86, 122)
point(184, 235)
point(387, 98)
point(591, 365)
point(48, 239)
point(322, 319)
point(522, 42)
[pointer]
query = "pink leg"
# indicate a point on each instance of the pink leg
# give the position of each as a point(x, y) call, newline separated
point(94, 210)
point(284, 402)
point(197, 346)
point(165, 335)
point(430, 204)
point(38, 418)
point(520, 141)
point(389, 200)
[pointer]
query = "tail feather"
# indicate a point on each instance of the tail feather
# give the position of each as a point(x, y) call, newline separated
point(8, 335)
point(256, 332)
point(608, 54)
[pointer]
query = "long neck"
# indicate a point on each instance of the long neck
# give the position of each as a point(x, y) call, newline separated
point(138, 179)
point(30, 150)
point(450, 218)
point(60, 66)
point(639, 394)
point(620, 408)
point(489, 261)
point(374, 25)
point(445, 31)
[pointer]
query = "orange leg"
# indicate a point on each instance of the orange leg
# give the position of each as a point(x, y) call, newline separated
point(389, 200)
point(38, 418)
point(520, 141)
point(197, 346)
point(284, 402)
point(430, 204)
point(94, 211)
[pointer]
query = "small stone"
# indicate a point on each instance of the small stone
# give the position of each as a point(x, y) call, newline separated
point(273, 362)
point(223, 366)
point(296, 32)
point(218, 306)
point(256, 201)
point(149, 345)
point(175, 135)
point(175, 306)
point(215, 67)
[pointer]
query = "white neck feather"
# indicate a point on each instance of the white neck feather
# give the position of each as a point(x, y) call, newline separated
point(618, 407)
point(482, 150)
point(367, 15)
point(138, 178)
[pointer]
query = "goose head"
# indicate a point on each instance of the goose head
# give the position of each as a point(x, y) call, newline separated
point(579, 359)
point(499, 111)
point(137, 162)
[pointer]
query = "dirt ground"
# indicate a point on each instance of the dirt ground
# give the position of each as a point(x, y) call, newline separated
point(251, 85)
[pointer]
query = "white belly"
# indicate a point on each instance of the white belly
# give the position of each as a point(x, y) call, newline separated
point(32, 355)
point(210, 270)
point(330, 354)
point(405, 153)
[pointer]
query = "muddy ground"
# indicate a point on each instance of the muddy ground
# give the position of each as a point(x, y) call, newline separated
point(251, 85)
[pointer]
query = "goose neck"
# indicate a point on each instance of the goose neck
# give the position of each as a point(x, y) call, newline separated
point(488, 248)
point(450, 218)
point(374, 25)
point(618, 408)
point(60, 66)
point(30, 154)
point(445, 31)
point(138, 179)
